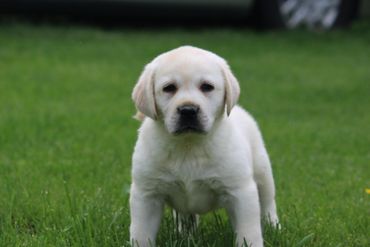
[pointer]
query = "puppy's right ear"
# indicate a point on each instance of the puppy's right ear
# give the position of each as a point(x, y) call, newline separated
point(143, 93)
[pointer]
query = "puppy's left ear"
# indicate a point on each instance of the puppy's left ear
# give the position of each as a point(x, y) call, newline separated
point(232, 89)
point(143, 93)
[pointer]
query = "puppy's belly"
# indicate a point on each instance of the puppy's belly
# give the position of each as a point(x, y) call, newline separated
point(192, 198)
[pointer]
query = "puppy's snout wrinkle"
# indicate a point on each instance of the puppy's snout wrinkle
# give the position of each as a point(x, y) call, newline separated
point(188, 110)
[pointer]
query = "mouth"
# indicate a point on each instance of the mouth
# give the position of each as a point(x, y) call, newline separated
point(189, 127)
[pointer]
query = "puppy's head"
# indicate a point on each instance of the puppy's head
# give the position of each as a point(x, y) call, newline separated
point(187, 88)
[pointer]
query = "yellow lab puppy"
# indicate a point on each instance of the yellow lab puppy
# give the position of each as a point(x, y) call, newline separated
point(196, 150)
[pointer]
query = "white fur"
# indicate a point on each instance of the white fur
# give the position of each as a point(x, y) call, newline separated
point(227, 167)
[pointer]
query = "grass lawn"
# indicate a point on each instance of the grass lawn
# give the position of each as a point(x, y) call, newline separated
point(67, 133)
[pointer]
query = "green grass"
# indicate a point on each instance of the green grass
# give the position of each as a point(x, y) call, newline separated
point(67, 133)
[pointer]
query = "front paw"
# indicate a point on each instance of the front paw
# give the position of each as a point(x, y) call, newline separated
point(273, 220)
point(244, 242)
point(137, 242)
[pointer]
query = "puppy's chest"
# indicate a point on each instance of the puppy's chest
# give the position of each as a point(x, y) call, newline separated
point(197, 192)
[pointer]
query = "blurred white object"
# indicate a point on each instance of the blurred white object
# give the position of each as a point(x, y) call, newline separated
point(312, 13)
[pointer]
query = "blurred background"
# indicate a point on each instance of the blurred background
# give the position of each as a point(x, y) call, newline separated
point(317, 14)
point(67, 69)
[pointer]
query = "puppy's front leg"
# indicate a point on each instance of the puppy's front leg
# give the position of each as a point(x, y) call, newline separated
point(244, 213)
point(146, 213)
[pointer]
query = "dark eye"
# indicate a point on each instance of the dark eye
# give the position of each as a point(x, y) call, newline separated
point(170, 88)
point(206, 87)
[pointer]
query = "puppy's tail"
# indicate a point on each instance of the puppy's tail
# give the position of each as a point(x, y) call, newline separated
point(139, 116)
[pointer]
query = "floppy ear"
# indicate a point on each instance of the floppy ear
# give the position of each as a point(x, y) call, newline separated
point(232, 89)
point(143, 93)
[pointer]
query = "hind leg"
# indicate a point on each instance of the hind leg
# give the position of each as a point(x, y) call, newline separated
point(265, 183)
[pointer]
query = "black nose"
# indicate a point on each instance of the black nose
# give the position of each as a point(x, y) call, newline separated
point(188, 110)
